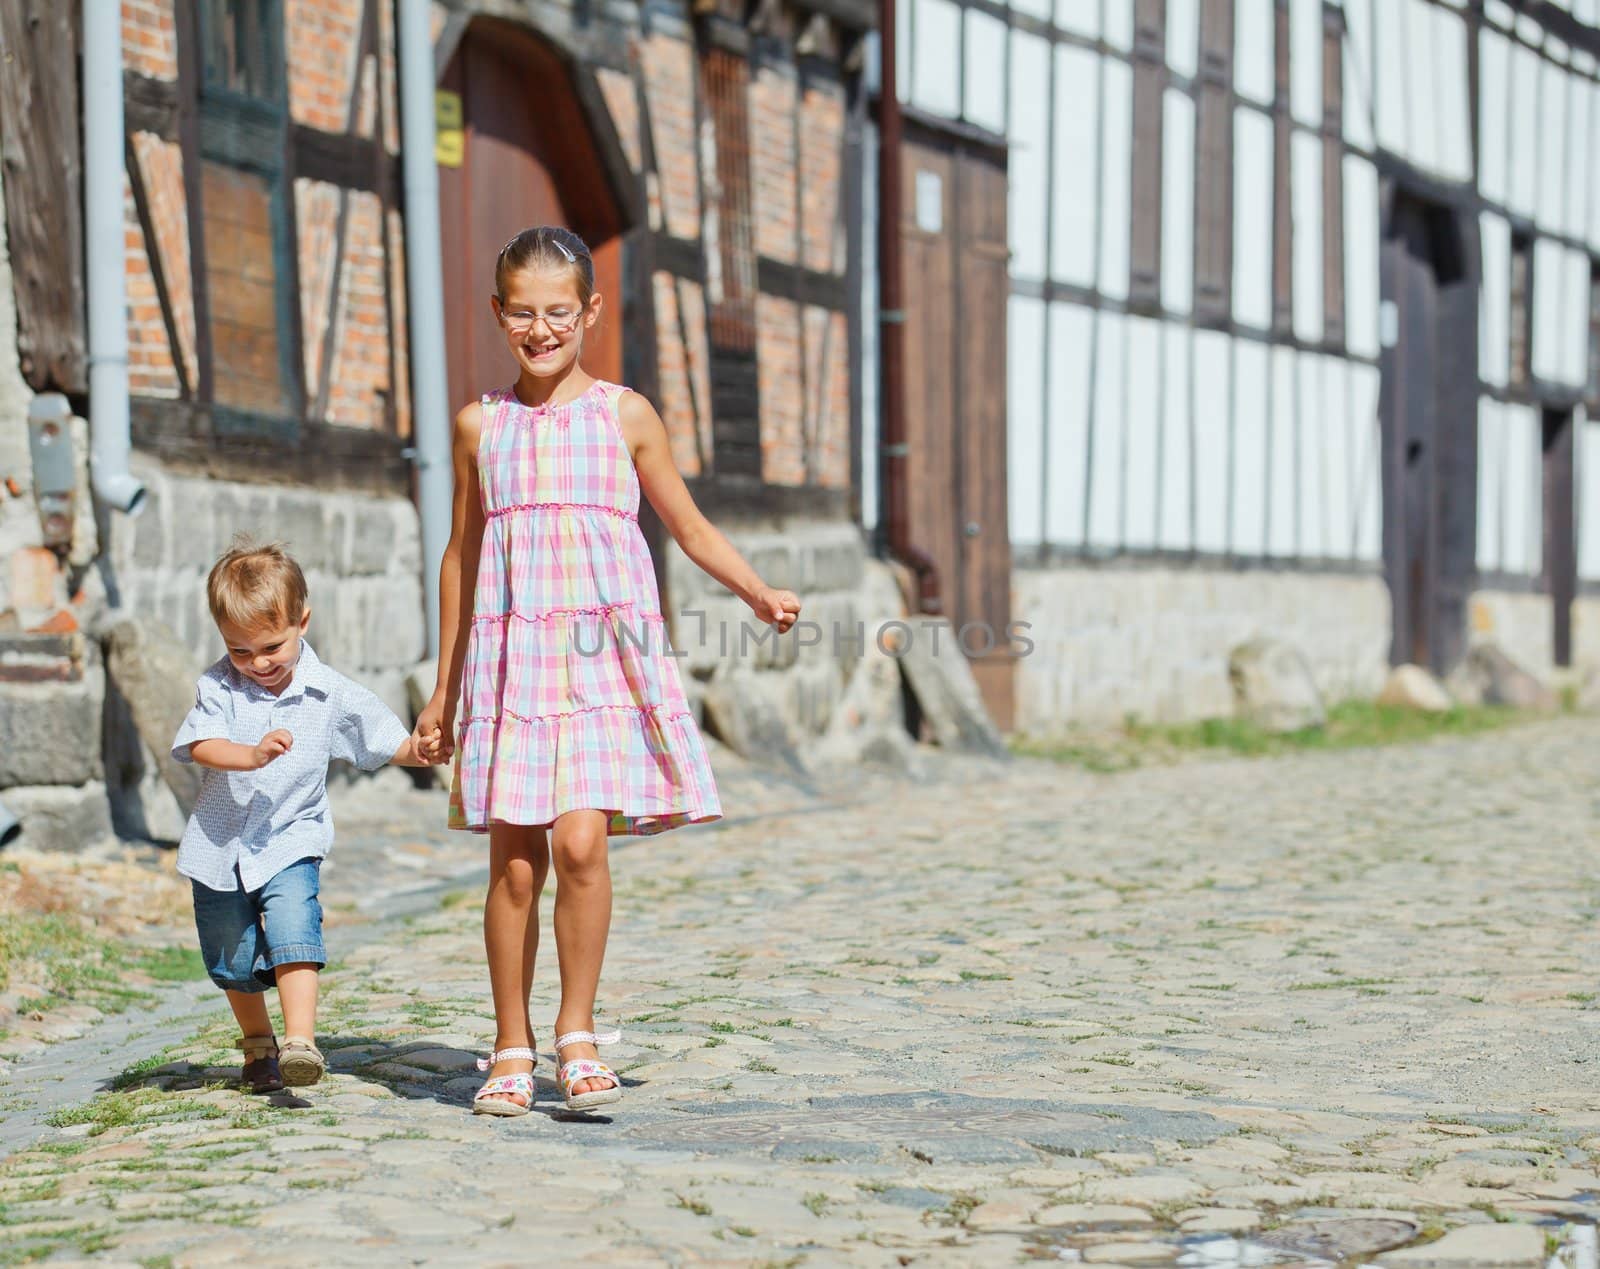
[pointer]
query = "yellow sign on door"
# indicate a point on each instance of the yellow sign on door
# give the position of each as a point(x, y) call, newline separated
point(450, 138)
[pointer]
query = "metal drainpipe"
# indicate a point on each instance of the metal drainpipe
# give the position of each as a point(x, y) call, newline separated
point(430, 401)
point(891, 327)
point(104, 146)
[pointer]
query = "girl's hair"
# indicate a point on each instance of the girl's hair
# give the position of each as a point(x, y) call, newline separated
point(256, 587)
point(546, 247)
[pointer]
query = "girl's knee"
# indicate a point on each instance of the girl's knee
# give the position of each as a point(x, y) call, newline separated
point(518, 879)
point(580, 856)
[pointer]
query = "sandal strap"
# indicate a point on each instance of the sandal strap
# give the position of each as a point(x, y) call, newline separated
point(523, 1054)
point(520, 1084)
point(588, 1037)
point(256, 1047)
point(585, 1069)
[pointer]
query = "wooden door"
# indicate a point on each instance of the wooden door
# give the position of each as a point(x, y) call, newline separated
point(527, 159)
point(1429, 415)
point(953, 234)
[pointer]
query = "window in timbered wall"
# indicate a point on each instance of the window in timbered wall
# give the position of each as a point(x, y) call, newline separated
point(247, 235)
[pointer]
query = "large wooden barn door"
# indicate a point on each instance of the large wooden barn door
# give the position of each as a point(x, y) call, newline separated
point(953, 234)
point(526, 158)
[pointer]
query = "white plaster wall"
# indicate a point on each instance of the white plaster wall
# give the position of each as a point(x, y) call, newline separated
point(1109, 642)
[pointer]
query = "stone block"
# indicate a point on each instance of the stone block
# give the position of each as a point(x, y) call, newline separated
point(868, 723)
point(1484, 1244)
point(832, 565)
point(1488, 676)
point(420, 680)
point(1273, 687)
point(199, 534)
point(50, 732)
point(241, 510)
point(373, 538)
point(60, 817)
point(941, 681)
point(393, 629)
point(741, 712)
point(149, 527)
point(302, 527)
point(153, 678)
point(1412, 687)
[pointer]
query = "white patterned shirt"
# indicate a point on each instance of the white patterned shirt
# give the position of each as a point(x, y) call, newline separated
point(259, 822)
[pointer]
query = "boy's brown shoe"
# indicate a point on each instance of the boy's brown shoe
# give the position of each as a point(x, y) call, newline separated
point(302, 1063)
point(260, 1074)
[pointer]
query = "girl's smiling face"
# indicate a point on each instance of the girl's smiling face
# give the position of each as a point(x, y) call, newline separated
point(544, 320)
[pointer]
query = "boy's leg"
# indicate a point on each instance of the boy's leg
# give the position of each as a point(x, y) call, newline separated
point(519, 862)
point(230, 944)
point(583, 922)
point(291, 918)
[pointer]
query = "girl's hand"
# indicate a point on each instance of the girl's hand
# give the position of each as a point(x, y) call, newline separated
point(273, 745)
point(434, 735)
point(775, 607)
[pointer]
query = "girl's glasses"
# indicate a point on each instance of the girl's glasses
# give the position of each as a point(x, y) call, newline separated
point(559, 320)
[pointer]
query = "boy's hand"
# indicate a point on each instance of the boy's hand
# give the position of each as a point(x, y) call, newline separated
point(430, 749)
point(777, 608)
point(273, 745)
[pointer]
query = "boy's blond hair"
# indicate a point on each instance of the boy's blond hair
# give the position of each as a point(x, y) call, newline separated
point(254, 587)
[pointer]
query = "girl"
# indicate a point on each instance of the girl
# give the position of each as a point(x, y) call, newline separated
point(553, 659)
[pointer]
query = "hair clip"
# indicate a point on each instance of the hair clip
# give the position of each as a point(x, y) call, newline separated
point(562, 248)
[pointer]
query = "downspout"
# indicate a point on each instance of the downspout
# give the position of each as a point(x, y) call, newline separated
point(892, 466)
point(104, 146)
point(430, 401)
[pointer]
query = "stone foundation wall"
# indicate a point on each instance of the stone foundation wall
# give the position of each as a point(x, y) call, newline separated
point(1154, 642)
point(361, 555)
point(1522, 625)
point(802, 673)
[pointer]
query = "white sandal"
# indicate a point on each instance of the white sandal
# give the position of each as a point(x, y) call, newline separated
point(518, 1084)
point(580, 1069)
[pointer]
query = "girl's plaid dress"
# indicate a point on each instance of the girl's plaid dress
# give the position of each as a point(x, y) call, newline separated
point(569, 698)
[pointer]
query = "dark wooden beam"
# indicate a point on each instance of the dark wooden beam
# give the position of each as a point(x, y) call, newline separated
point(150, 104)
point(351, 161)
point(188, 436)
point(804, 286)
point(43, 160)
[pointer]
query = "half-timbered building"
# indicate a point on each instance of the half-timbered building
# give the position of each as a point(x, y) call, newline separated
point(1300, 337)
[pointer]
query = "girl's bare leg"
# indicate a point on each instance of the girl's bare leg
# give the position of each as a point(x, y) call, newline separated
point(583, 920)
point(519, 862)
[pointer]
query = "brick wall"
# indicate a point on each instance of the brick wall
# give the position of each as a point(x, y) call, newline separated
point(622, 103)
point(821, 171)
point(683, 382)
point(670, 84)
point(150, 369)
point(149, 39)
point(359, 382)
point(828, 396)
point(322, 40)
point(773, 99)
point(783, 457)
point(317, 218)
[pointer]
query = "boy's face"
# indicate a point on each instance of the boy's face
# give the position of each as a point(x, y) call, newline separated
point(267, 654)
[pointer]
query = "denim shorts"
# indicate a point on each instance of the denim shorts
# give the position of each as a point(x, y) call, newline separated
point(245, 935)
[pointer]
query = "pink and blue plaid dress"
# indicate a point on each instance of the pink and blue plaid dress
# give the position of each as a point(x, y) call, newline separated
point(569, 699)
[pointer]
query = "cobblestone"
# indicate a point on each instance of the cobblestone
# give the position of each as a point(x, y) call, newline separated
point(1015, 1012)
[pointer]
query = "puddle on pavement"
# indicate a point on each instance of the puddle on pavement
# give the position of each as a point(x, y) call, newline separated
point(1321, 1243)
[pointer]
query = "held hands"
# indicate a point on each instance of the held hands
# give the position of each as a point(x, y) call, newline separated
point(775, 607)
point(273, 745)
point(433, 738)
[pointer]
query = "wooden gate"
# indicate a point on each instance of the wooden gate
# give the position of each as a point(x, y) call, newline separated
point(526, 156)
point(953, 234)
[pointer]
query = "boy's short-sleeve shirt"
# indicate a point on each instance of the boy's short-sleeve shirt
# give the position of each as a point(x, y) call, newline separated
point(250, 825)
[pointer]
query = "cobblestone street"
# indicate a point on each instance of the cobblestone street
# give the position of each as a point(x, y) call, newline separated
point(1184, 1014)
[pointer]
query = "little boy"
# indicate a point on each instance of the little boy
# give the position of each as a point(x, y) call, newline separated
point(267, 718)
